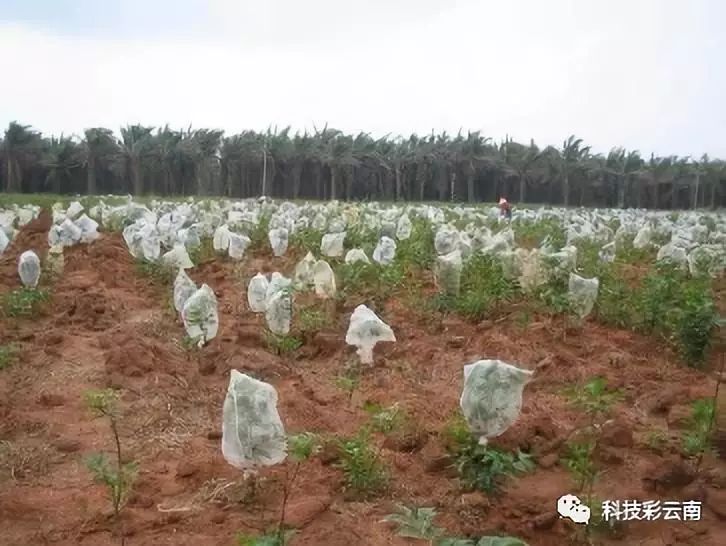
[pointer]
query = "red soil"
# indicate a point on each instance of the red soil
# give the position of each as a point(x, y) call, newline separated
point(107, 326)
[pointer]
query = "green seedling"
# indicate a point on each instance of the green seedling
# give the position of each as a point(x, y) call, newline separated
point(24, 302)
point(118, 476)
point(365, 473)
point(698, 438)
point(386, 419)
point(8, 355)
point(282, 344)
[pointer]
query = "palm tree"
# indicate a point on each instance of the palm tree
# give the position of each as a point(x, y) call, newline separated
point(203, 147)
point(98, 149)
point(21, 147)
point(570, 161)
point(62, 156)
point(135, 147)
point(621, 165)
point(521, 160)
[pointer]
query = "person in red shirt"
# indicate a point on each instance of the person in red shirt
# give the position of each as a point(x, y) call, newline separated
point(505, 208)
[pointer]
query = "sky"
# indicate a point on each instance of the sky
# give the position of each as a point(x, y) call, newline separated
point(648, 75)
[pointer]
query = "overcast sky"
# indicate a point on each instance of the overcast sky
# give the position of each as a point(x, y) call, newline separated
point(644, 74)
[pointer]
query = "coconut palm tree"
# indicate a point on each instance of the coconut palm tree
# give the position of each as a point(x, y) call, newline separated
point(521, 161)
point(61, 157)
point(135, 149)
point(98, 150)
point(569, 162)
point(21, 147)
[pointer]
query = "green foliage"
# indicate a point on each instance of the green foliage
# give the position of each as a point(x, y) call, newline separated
point(259, 234)
point(656, 439)
point(312, 319)
point(365, 473)
point(307, 240)
point(102, 402)
point(698, 439)
point(282, 344)
point(24, 302)
point(615, 300)
point(579, 462)
point(695, 322)
point(418, 523)
point(8, 355)
point(482, 467)
point(386, 419)
point(158, 272)
point(532, 233)
point(300, 447)
point(374, 281)
point(270, 539)
point(418, 250)
point(415, 523)
point(594, 398)
point(483, 287)
point(203, 253)
point(118, 480)
point(659, 297)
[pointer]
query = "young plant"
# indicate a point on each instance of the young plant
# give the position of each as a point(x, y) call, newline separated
point(594, 397)
point(281, 344)
point(24, 302)
point(698, 438)
point(482, 468)
point(312, 319)
point(579, 461)
point(386, 419)
point(270, 539)
point(365, 473)
point(118, 476)
point(697, 319)
point(418, 523)
point(158, 272)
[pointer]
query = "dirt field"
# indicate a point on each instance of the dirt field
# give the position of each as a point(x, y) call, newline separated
point(107, 326)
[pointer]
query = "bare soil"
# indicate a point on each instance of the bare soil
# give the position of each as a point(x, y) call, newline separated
point(107, 326)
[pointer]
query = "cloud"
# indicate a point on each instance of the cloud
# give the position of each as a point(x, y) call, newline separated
point(646, 75)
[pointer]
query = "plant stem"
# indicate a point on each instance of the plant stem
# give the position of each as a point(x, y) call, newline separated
point(713, 412)
point(285, 497)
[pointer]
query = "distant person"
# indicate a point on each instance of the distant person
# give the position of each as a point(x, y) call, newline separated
point(505, 209)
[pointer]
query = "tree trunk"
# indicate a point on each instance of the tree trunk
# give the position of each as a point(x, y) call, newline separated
point(333, 181)
point(695, 192)
point(566, 189)
point(522, 187)
point(398, 182)
point(421, 177)
point(137, 178)
point(264, 173)
point(14, 176)
point(622, 181)
point(296, 177)
point(91, 175)
point(452, 184)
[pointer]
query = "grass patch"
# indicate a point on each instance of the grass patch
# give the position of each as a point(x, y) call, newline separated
point(24, 302)
point(365, 473)
point(8, 355)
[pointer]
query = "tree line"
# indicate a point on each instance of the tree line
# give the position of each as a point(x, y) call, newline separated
point(329, 164)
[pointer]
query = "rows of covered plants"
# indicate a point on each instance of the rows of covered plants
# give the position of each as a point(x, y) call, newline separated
point(650, 273)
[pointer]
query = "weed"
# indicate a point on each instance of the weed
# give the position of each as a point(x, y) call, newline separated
point(118, 477)
point(365, 473)
point(535, 233)
point(308, 240)
point(203, 253)
point(8, 355)
point(698, 439)
point(658, 298)
point(656, 440)
point(615, 301)
point(282, 344)
point(24, 302)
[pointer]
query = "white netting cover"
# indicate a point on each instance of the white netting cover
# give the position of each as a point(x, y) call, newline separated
point(355, 255)
point(4, 241)
point(448, 273)
point(303, 276)
point(607, 252)
point(29, 268)
point(492, 396)
point(89, 229)
point(644, 237)
point(446, 240)
point(278, 240)
point(74, 210)
point(200, 317)
point(332, 244)
point(238, 245)
point(582, 294)
point(385, 251)
point(365, 330)
point(278, 313)
point(252, 431)
point(257, 293)
point(673, 253)
point(54, 260)
point(184, 288)
point(178, 258)
point(324, 279)
point(220, 239)
point(403, 228)
point(66, 234)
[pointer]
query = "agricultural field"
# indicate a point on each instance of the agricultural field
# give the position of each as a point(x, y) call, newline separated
point(147, 349)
